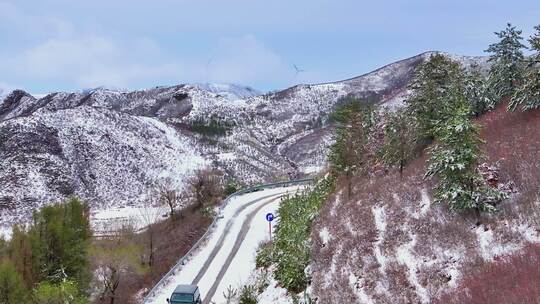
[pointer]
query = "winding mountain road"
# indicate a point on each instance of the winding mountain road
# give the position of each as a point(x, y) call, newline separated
point(228, 257)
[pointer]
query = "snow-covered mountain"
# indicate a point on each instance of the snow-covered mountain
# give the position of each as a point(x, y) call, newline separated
point(232, 91)
point(111, 146)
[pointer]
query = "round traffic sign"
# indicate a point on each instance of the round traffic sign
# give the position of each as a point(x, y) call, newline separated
point(269, 217)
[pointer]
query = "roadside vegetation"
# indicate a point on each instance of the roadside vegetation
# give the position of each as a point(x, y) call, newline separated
point(437, 127)
point(56, 259)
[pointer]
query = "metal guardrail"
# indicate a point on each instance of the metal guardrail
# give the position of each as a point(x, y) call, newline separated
point(206, 235)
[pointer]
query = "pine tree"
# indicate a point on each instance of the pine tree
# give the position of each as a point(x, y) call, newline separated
point(12, 290)
point(477, 92)
point(350, 153)
point(400, 139)
point(527, 95)
point(429, 86)
point(454, 158)
point(507, 56)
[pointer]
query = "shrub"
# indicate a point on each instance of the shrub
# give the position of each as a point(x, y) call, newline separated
point(65, 292)
point(230, 295)
point(264, 256)
point(291, 251)
point(248, 295)
point(231, 187)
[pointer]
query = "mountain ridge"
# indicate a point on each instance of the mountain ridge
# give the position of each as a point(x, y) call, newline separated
point(76, 141)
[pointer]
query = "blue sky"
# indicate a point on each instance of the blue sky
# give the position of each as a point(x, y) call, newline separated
point(70, 45)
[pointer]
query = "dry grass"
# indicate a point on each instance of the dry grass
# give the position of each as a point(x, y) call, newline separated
point(509, 280)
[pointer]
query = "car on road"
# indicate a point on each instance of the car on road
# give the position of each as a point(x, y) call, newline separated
point(185, 294)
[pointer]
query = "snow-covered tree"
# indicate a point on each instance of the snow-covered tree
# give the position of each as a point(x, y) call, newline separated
point(507, 56)
point(351, 151)
point(454, 158)
point(400, 139)
point(527, 95)
point(429, 86)
point(477, 92)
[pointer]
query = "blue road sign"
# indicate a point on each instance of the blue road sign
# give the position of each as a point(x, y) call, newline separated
point(269, 217)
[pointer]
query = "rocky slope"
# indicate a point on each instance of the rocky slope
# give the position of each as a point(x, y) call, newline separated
point(110, 147)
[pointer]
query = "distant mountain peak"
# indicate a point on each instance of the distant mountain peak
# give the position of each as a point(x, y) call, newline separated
point(233, 90)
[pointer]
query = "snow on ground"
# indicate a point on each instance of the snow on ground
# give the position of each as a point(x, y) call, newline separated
point(243, 263)
point(489, 247)
point(379, 216)
point(273, 294)
point(406, 257)
point(357, 286)
point(325, 235)
point(105, 220)
point(5, 232)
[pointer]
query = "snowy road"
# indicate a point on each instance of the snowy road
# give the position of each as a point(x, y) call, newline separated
point(228, 257)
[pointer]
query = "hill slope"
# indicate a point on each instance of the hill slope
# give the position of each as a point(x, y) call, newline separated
point(110, 147)
point(388, 242)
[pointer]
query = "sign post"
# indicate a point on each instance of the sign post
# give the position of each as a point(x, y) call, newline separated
point(270, 218)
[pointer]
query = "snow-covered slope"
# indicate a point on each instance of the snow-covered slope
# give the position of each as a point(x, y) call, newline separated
point(388, 241)
point(111, 146)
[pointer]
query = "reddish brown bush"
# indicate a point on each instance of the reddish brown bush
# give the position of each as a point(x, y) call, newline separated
point(508, 280)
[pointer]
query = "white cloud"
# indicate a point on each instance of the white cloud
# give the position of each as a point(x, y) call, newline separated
point(64, 54)
point(245, 59)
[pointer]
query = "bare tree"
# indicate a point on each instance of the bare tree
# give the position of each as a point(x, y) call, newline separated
point(150, 216)
point(169, 195)
point(207, 187)
point(115, 256)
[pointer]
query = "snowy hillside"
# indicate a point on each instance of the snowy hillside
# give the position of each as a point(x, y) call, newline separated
point(111, 146)
point(389, 242)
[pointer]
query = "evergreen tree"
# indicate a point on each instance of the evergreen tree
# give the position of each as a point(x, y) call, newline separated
point(60, 238)
point(507, 57)
point(527, 95)
point(400, 139)
point(350, 153)
point(429, 87)
point(477, 92)
point(454, 159)
point(12, 290)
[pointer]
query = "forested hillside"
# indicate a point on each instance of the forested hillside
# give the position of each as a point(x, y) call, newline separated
point(436, 201)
